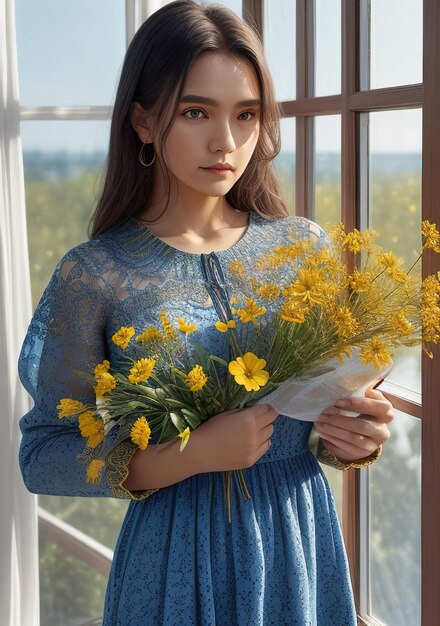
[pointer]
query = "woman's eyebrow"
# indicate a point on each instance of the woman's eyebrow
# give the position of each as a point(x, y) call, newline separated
point(204, 100)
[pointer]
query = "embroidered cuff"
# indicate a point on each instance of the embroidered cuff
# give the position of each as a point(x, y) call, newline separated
point(327, 457)
point(117, 471)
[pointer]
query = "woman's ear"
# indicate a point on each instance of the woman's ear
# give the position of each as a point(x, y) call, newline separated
point(141, 122)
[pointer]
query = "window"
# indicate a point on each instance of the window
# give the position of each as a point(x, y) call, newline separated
point(356, 103)
point(358, 107)
point(65, 112)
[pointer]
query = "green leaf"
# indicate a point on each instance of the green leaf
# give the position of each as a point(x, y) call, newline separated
point(178, 422)
point(193, 420)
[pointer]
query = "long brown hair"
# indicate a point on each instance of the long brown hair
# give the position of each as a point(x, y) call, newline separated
point(154, 72)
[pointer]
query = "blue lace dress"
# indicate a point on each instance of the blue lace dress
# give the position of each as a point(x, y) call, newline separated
point(178, 561)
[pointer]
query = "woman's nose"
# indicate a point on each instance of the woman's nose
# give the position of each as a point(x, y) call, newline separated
point(222, 139)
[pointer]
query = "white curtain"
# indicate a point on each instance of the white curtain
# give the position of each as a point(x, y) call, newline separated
point(19, 603)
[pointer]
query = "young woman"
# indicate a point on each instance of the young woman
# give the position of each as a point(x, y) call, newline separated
point(189, 188)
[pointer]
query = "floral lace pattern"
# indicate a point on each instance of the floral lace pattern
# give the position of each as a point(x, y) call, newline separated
point(178, 561)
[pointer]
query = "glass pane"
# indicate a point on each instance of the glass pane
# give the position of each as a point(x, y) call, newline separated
point(327, 47)
point(62, 163)
point(395, 167)
point(396, 42)
point(235, 5)
point(69, 53)
point(280, 46)
point(285, 162)
point(394, 534)
point(71, 592)
point(327, 169)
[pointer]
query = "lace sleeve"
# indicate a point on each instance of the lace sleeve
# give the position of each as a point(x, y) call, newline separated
point(117, 472)
point(65, 336)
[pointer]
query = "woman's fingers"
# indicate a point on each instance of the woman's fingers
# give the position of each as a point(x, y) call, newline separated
point(351, 439)
point(346, 452)
point(361, 425)
point(356, 437)
point(374, 405)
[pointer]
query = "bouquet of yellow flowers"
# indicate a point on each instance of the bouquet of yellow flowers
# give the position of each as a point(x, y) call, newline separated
point(348, 295)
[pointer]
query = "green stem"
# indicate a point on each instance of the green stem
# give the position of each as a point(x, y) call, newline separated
point(242, 483)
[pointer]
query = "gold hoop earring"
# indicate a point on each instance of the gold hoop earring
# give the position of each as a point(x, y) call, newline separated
point(141, 154)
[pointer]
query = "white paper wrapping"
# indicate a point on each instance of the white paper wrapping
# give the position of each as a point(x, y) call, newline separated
point(306, 397)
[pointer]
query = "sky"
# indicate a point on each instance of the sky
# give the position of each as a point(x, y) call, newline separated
point(70, 53)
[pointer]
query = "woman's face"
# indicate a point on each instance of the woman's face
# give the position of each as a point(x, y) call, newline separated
point(217, 121)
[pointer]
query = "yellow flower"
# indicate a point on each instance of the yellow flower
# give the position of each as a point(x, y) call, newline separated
point(399, 324)
point(95, 440)
point(168, 328)
point(387, 259)
point(223, 328)
point(106, 384)
point(309, 287)
point(123, 336)
point(360, 281)
point(101, 368)
point(251, 311)
point(269, 291)
point(294, 250)
point(237, 268)
point(184, 435)
point(248, 371)
point(376, 352)
point(233, 300)
point(344, 352)
point(196, 378)
point(336, 233)
point(68, 407)
point(345, 323)
point(149, 335)
point(88, 425)
point(354, 241)
point(431, 236)
point(294, 311)
point(369, 235)
point(140, 433)
point(397, 274)
point(185, 327)
point(94, 470)
point(430, 313)
point(431, 287)
point(141, 370)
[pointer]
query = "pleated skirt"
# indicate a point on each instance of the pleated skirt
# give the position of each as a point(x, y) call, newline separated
point(280, 562)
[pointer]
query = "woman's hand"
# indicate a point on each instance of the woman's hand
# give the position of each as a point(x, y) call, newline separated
point(232, 440)
point(354, 438)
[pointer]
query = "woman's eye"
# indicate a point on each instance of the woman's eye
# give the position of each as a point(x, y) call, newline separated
point(247, 119)
point(196, 112)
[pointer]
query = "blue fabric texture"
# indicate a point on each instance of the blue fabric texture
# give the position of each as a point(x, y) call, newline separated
point(178, 561)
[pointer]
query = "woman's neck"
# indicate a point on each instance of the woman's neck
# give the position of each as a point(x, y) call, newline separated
point(197, 229)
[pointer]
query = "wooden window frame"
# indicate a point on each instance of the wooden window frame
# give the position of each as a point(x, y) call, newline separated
point(350, 104)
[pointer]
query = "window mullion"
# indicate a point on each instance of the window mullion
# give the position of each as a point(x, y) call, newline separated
point(430, 386)
point(305, 175)
point(350, 216)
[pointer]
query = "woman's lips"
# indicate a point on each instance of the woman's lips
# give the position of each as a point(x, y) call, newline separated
point(220, 169)
point(217, 171)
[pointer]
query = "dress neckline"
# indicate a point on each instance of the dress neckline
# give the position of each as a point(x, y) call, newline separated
point(166, 246)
